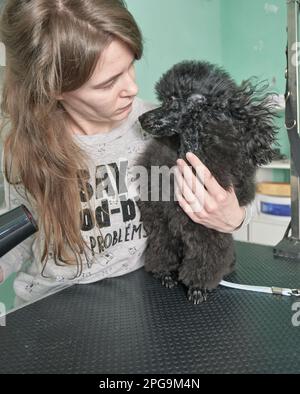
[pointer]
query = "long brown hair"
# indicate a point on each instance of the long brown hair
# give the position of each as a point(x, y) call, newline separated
point(52, 46)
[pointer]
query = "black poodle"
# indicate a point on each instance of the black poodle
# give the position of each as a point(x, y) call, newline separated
point(230, 128)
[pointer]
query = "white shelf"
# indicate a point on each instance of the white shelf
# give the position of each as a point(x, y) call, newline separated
point(278, 164)
point(269, 219)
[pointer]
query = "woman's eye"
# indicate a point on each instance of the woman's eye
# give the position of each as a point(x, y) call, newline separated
point(110, 85)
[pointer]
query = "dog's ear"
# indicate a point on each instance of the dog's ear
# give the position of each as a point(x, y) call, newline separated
point(220, 142)
point(256, 117)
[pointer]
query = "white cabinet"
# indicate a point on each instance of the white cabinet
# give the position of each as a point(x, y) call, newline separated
point(266, 232)
point(265, 229)
point(242, 234)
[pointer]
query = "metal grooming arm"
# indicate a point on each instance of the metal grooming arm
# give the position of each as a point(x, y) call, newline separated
point(289, 247)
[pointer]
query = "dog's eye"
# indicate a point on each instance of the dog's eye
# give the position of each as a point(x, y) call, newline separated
point(175, 105)
point(171, 103)
point(170, 100)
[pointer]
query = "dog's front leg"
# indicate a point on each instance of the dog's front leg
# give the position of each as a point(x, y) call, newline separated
point(207, 256)
point(192, 274)
point(162, 256)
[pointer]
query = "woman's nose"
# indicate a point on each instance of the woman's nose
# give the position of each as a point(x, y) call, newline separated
point(131, 87)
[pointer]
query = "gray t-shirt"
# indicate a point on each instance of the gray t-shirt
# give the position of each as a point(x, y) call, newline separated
point(118, 247)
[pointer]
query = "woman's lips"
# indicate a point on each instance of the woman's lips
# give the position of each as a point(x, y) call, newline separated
point(125, 108)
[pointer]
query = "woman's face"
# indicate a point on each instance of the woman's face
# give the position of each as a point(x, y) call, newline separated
point(97, 105)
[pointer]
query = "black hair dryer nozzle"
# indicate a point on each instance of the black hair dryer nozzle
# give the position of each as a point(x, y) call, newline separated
point(15, 226)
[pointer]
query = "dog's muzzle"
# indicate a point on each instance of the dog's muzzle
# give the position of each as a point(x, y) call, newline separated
point(155, 123)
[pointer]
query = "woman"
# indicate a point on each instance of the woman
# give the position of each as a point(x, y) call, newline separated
point(71, 98)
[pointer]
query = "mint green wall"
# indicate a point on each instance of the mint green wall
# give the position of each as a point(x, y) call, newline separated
point(245, 37)
point(175, 30)
point(253, 43)
point(7, 293)
point(254, 39)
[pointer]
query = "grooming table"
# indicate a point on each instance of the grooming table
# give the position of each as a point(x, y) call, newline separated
point(132, 324)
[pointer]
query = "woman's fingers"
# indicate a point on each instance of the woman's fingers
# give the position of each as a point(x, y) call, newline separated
point(193, 189)
point(183, 191)
point(210, 183)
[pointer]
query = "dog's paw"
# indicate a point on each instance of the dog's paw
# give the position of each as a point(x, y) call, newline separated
point(196, 295)
point(167, 279)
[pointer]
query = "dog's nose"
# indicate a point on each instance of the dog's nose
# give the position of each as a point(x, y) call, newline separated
point(143, 120)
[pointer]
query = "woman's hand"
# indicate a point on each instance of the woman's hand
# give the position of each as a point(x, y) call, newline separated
point(204, 200)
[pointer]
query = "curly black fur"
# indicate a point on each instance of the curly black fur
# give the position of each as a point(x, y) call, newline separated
point(230, 128)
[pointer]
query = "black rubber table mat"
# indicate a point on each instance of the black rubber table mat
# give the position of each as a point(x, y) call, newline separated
point(131, 324)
